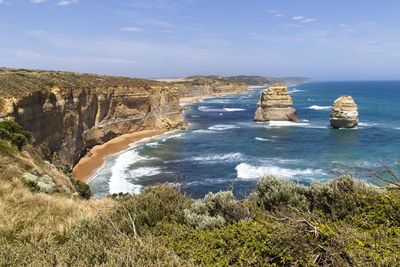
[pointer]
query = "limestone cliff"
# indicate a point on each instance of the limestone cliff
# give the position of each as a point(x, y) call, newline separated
point(344, 113)
point(70, 113)
point(275, 104)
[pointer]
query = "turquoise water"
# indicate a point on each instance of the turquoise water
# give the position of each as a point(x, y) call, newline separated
point(224, 149)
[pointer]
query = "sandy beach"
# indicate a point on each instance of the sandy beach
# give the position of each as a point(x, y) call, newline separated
point(89, 164)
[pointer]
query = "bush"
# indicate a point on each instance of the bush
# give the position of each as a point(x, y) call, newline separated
point(215, 210)
point(158, 204)
point(83, 189)
point(18, 139)
point(239, 244)
point(12, 131)
point(272, 193)
point(341, 196)
point(6, 148)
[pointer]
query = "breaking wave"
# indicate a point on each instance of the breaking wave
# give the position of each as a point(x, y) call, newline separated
point(222, 127)
point(247, 171)
point(316, 107)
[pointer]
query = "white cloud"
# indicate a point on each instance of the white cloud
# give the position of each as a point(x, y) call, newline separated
point(38, 1)
point(130, 29)
point(4, 2)
point(66, 2)
point(308, 20)
point(303, 19)
point(279, 15)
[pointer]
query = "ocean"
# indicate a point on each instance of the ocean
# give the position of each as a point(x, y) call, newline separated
point(224, 149)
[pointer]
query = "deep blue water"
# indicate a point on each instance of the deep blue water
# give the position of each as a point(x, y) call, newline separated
point(224, 149)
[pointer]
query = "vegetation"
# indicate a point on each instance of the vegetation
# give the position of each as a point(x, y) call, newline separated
point(11, 133)
point(344, 222)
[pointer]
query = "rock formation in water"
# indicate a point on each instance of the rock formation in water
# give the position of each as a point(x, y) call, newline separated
point(344, 113)
point(275, 104)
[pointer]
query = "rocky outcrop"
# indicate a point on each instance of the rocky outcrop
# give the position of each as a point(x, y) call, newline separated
point(70, 117)
point(344, 113)
point(275, 104)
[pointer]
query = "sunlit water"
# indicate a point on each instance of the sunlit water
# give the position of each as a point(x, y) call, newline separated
point(224, 148)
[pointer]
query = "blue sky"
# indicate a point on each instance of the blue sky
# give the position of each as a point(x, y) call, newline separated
point(325, 40)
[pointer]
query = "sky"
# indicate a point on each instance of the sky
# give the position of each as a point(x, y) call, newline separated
point(320, 39)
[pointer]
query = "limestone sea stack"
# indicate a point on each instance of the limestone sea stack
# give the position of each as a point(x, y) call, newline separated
point(275, 104)
point(344, 113)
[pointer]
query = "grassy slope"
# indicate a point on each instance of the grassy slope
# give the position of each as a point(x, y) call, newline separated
point(344, 223)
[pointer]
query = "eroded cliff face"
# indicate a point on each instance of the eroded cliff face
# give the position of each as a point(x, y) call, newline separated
point(69, 121)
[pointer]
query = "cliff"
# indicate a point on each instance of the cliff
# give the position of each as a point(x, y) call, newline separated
point(69, 113)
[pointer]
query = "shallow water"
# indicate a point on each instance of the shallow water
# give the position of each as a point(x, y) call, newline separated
point(223, 148)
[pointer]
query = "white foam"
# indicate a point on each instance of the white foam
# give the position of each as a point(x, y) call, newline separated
point(296, 91)
point(145, 171)
point(118, 182)
point(247, 171)
point(203, 131)
point(287, 123)
point(213, 158)
point(263, 139)
point(154, 144)
point(209, 109)
point(367, 124)
point(303, 124)
point(172, 137)
point(233, 109)
point(397, 128)
point(222, 127)
point(316, 107)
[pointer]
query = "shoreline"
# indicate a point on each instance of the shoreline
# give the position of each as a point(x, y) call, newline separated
point(188, 100)
point(88, 165)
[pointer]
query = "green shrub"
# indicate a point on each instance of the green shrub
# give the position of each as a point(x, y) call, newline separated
point(341, 196)
point(4, 134)
point(18, 139)
point(215, 210)
point(239, 244)
point(83, 189)
point(272, 193)
point(11, 126)
point(6, 148)
point(157, 204)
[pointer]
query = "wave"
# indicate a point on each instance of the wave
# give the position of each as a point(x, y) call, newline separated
point(213, 158)
point(303, 124)
point(153, 144)
point(247, 171)
point(145, 171)
point(367, 124)
point(203, 131)
point(209, 109)
point(206, 182)
point(296, 91)
point(222, 127)
point(316, 107)
point(263, 139)
point(172, 137)
point(118, 182)
point(233, 109)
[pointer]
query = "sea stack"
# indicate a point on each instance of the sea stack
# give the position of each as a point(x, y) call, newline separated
point(275, 104)
point(344, 113)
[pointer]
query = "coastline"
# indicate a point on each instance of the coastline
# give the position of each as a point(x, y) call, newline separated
point(90, 164)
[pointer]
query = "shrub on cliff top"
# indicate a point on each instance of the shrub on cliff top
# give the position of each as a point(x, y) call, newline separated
point(215, 210)
point(157, 204)
point(272, 193)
